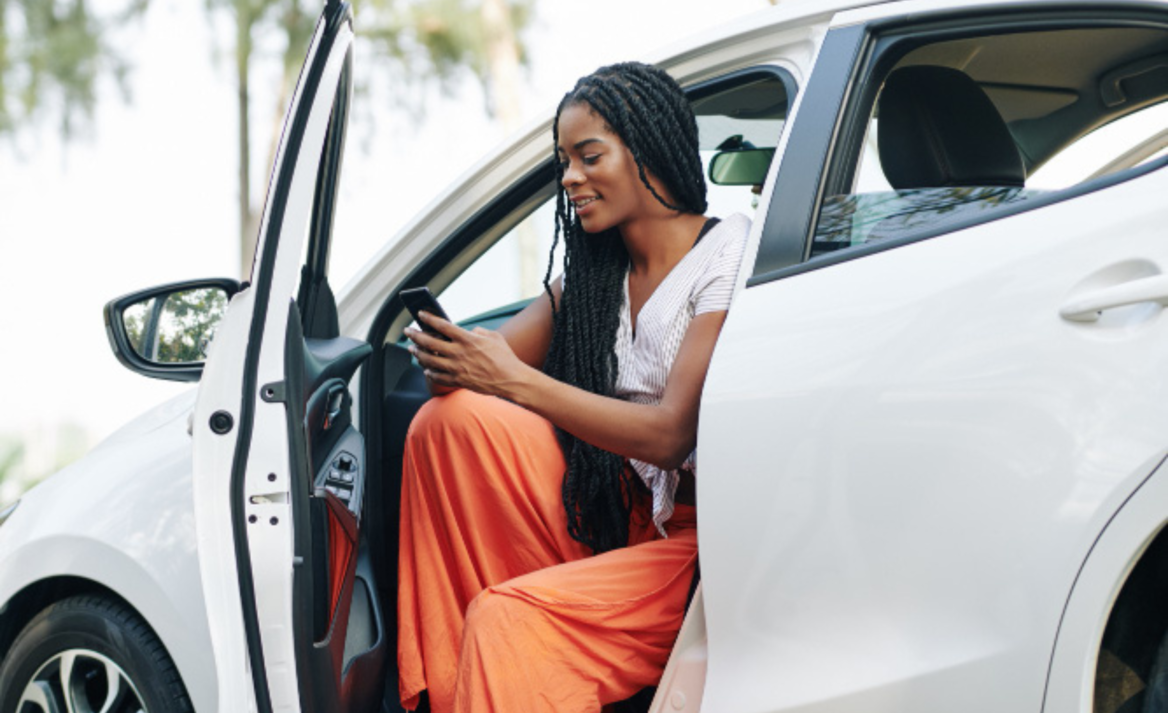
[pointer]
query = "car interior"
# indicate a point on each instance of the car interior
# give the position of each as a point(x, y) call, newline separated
point(960, 126)
point(738, 115)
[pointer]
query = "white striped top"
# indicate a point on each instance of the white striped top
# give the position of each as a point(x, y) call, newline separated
point(702, 282)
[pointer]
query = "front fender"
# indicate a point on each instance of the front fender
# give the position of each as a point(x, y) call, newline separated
point(122, 517)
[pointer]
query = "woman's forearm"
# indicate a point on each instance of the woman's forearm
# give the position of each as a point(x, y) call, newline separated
point(652, 433)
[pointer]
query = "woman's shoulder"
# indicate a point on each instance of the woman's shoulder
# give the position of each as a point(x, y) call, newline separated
point(730, 233)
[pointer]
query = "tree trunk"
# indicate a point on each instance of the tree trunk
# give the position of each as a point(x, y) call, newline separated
point(247, 218)
point(502, 52)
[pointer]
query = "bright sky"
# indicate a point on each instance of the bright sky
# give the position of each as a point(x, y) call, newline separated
point(151, 196)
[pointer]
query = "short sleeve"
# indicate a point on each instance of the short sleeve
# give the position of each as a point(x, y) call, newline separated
point(715, 288)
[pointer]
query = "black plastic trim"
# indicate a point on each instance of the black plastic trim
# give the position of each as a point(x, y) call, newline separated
point(335, 15)
point(115, 329)
point(809, 142)
point(708, 87)
point(884, 42)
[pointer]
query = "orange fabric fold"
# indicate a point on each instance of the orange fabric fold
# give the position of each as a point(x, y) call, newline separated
point(498, 608)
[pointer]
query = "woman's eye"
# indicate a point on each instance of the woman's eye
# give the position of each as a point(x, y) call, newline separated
point(564, 165)
point(591, 160)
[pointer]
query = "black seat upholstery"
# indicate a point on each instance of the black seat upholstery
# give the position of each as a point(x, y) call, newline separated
point(939, 129)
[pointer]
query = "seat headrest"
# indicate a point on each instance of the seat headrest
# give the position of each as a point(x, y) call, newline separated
point(937, 128)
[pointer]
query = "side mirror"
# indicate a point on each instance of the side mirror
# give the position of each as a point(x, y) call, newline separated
point(164, 332)
point(741, 167)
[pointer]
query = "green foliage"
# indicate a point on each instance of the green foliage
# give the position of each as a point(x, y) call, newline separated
point(178, 330)
point(52, 54)
point(432, 40)
point(11, 455)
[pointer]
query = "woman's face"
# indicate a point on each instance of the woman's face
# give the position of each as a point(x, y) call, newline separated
point(600, 174)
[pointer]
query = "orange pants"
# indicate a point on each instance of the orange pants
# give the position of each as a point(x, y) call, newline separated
point(498, 608)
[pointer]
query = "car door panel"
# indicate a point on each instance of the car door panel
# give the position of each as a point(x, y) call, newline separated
point(921, 410)
point(252, 605)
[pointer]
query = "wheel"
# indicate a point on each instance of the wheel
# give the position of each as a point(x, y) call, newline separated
point(89, 654)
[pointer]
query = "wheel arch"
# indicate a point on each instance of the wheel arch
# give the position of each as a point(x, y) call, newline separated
point(50, 570)
point(1125, 570)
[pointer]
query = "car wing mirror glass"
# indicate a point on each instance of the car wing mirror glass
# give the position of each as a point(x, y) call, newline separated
point(164, 332)
point(741, 167)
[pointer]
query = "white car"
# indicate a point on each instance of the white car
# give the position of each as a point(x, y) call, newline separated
point(932, 433)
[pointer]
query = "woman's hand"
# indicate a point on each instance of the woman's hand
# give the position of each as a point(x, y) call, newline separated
point(479, 360)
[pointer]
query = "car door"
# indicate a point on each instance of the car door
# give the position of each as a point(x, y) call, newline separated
point(278, 464)
point(912, 436)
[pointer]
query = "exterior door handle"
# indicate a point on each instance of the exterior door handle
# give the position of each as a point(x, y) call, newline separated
point(1089, 306)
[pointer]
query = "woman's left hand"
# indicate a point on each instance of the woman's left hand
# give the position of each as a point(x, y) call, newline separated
point(479, 360)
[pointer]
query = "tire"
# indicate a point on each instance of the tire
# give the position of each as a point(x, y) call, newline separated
point(89, 653)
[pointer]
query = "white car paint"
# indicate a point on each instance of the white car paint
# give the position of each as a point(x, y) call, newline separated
point(122, 517)
point(270, 537)
point(812, 444)
point(837, 441)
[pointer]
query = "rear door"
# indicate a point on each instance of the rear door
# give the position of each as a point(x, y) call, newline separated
point(278, 465)
point(909, 444)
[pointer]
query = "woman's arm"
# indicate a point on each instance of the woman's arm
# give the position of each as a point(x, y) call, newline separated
point(663, 434)
point(529, 333)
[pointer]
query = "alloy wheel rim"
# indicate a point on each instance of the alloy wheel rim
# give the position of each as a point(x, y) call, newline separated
point(80, 681)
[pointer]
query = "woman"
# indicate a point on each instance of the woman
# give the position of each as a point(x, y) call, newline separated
point(548, 535)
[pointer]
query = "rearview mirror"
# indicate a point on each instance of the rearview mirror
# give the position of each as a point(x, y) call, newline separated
point(164, 332)
point(741, 167)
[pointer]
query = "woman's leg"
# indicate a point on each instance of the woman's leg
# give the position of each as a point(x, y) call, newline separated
point(580, 635)
point(481, 504)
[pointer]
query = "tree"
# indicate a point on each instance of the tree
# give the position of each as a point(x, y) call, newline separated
point(422, 40)
point(11, 454)
point(52, 55)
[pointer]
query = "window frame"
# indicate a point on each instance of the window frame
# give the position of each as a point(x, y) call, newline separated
point(825, 140)
point(516, 201)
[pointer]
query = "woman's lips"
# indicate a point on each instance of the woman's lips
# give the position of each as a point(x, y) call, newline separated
point(584, 206)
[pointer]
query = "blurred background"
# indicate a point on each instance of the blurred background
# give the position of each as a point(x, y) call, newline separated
point(136, 138)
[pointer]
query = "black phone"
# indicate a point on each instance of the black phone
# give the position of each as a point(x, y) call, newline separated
point(420, 299)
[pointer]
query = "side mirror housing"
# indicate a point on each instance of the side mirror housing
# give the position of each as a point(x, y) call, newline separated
point(741, 167)
point(163, 332)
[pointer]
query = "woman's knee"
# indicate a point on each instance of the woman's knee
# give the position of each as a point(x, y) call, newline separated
point(452, 413)
point(497, 617)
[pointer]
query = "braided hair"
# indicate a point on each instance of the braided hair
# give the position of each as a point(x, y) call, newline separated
point(647, 109)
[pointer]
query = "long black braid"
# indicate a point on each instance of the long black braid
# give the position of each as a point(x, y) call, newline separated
point(647, 109)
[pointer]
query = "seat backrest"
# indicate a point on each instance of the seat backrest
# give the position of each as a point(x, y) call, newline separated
point(938, 129)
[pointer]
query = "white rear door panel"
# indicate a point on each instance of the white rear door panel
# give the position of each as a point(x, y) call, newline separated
point(906, 457)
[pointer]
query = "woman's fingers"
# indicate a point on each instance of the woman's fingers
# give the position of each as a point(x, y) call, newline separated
point(442, 378)
point(443, 327)
point(427, 342)
point(432, 360)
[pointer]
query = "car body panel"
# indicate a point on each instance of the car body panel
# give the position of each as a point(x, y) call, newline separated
point(122, 517)
point(931, 388)
point(252, 671)
point(1070, 686)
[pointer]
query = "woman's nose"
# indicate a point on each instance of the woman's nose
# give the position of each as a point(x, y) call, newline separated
point(572, 176)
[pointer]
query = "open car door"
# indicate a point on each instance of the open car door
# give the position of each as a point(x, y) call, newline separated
point(278, 464)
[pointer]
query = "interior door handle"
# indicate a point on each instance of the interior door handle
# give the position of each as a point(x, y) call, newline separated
point(334, 403)
point(1089, 306)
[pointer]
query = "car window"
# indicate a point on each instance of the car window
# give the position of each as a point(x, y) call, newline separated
point(958, 130)
point(740, 120)
point(511, 270)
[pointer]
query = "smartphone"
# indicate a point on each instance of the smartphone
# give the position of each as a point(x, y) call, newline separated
point(420, 299)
